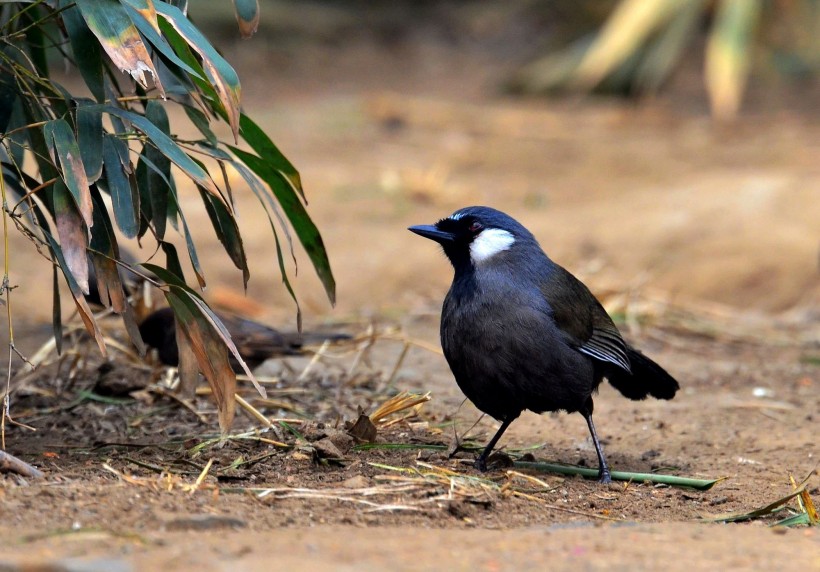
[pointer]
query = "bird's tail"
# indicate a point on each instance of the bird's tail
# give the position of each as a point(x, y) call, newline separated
point(647, 378)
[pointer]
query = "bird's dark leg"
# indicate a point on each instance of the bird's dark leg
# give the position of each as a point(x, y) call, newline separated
point(604, 475)
point(481, 462)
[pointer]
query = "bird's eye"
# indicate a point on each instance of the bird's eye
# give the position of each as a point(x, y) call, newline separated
point(476, 226)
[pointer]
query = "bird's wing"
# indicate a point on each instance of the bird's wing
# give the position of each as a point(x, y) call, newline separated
point(583, 320)
point(606, 344)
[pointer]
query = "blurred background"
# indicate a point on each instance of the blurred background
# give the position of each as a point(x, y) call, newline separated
point(668, 153)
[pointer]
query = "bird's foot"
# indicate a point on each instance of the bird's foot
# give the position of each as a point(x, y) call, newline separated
point(604, 477)
point(481, 464)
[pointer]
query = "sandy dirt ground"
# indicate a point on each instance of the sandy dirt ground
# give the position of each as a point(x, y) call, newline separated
point(702, 241)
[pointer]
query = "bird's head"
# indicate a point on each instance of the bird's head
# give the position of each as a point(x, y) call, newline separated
point(473, 236)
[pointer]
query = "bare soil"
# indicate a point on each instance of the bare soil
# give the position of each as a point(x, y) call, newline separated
point(702, 241)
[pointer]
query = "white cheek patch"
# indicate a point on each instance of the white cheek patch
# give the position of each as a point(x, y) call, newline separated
point(489, 243)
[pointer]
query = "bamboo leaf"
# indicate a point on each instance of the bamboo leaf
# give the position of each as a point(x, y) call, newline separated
point(183, 51)
point(212, 318)
point(220, 74)
point(56, 310)
point(79, 299)
point(663, 52)
point(86, 49)
point(110, 22)
point(189, 241)
point(305, 230)
point(124, 198)
point(269, 205)
point(8, 95)
point(160, 186)
point(770, 508)
point(73, 235)
point(147, 24)
point(102, 253)
point(264, 147)
point(200, 120)
point(60, 139)
point(228, 233)
point(247, 16)
point(167, 146)
point(172, 263)
point(623, 33)
point(728, 54)
point(211, 355)
point(145, 9)
point(90, 139)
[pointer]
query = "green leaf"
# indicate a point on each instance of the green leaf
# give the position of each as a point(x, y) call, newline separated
point(8, 95)
point(264, 147)
point(167, 145)
point(305, 230)
point(172, 263)
point(90, 139)
point(228, 233)
point(247, 16)
point(60, 138)
point(189, 241)
point(36, 41)
point(86, 49)
point(110, 22)
point(124, 199)
point(183, 50)
point(200, 120)
point(34, 113)
point(56, 311)
point(269, 205)
point(151, 31)
point(219, 72)
point(160, 186)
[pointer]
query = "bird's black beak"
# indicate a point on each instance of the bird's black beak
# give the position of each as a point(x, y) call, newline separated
point(431, 232)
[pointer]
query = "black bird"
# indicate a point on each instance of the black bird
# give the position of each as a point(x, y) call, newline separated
point(520, 332)
point(255, 342)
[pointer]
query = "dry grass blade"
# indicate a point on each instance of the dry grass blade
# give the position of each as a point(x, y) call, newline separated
point(549, 506)
point(804, 501)
point(166, 481)
point(763, 511)
point(345, 495)
point(442, 483)
point(247, 436)
point(201, 478)
point(513, 475)
point(400, 402)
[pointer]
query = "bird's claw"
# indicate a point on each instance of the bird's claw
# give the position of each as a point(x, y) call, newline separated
point(481, 464)
point(604, 477)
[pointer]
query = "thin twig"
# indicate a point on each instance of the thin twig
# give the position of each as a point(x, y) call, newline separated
point(11, 464)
